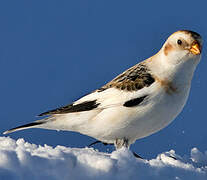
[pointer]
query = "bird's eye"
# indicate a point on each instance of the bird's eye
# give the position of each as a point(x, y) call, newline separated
point(179, 41)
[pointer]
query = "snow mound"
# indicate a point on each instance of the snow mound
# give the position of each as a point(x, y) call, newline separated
point(20, 160)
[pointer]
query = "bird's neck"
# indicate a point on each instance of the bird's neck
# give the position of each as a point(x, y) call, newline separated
point(178, 74)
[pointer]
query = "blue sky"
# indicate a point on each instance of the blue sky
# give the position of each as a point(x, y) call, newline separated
point(53, 52)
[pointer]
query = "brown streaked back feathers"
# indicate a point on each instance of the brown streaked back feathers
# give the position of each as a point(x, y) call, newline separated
point(135, 78)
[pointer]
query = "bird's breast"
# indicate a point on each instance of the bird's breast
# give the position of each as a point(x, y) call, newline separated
point(168, 86)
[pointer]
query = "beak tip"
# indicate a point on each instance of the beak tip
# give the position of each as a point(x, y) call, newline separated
point(195, 49)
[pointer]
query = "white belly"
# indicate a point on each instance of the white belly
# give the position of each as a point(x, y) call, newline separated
point(119, 122)
point(136, 122)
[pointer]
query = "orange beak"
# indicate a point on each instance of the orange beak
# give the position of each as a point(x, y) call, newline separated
point(195, 48)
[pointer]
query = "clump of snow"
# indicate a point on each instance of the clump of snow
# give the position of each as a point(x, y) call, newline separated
point(20, 160)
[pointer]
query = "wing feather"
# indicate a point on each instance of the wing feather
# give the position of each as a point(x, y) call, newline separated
point(128, 89)
point(84, 106)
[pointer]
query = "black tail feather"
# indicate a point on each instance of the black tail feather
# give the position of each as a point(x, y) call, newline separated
point(23, 127)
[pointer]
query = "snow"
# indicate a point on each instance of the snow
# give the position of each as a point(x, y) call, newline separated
point(20, 160)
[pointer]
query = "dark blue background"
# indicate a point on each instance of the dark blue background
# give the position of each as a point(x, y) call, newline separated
point(53, 52)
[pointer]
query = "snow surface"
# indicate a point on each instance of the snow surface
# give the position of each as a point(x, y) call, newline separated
point(20, 160)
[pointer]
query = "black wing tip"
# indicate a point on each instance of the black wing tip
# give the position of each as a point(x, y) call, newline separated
point(43, 114)
point(50, 112)
point(71, 108)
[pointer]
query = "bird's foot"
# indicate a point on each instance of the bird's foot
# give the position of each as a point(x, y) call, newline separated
point(136, 155)
point(119, 143)
point(97, 142)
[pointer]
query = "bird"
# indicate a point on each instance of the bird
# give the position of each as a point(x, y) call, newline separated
point(137, 103)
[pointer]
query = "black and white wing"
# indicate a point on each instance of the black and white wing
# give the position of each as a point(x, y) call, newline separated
point(129, 89)
point(124, 90)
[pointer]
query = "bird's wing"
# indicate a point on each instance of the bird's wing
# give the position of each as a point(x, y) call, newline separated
point(128, 89)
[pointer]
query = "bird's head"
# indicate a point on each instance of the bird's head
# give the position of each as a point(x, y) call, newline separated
point(183, 46)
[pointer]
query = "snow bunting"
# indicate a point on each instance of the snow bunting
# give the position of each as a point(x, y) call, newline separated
point(139, 102)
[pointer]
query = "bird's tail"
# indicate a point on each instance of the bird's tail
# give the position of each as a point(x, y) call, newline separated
point(35, 124)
